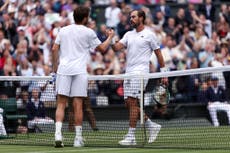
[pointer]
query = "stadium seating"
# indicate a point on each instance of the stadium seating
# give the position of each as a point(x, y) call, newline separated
point(11, 114)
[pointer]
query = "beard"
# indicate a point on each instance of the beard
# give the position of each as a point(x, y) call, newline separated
point(134, 25)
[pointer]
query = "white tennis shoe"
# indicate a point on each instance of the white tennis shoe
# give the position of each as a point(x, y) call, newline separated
point(78, 141)
point(58, 140)
point(154, 129)
point(129, 140)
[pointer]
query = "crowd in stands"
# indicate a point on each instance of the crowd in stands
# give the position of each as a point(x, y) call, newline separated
point(197, 36)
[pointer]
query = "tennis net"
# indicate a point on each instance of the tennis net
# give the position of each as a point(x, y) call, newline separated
point(186, 121)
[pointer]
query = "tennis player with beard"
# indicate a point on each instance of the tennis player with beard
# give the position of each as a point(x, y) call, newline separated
point(140, 42)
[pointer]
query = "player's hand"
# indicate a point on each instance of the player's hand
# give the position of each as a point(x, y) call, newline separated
point(110, 33)
point(165, 79)
point(53, 75)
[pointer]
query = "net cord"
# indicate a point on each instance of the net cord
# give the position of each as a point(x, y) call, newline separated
point(127, 76)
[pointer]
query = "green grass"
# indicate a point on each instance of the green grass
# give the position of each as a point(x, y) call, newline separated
point(49, 149)
point(169, 138)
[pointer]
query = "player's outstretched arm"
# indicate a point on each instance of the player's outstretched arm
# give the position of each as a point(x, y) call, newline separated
point(116, 45)
point(103, 46)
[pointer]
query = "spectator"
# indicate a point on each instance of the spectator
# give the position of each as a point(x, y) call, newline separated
point(208, 10)
point(188, 15)
point(222, 26)
point(35, 53)
point(202, 94)
point(215, 37)
point(199, 36)
point(180, 18)
point(20, 53)
point(48, 93)
point(111, 63)
point(102, 85)
point(227, 80)
point(101, 33)
point(207, 55)
point(159, 19)
point(223, 10)
point(20, 36)
point(123, 25)
point(2, 127)
point(206, 23)
point(112, 13)
point(23, 99)
point(9, 28)
point(217, 101)
point(36, 111)
point(194, 82)
point(164, 8)
point(135, 5)
point(26, 34)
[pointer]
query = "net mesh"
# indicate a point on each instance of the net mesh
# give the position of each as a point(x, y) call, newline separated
point(188, 121)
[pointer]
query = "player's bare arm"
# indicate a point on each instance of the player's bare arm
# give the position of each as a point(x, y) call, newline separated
point(117, 46)
point(162, 64)
point(103, 46)
point(55, 50)
point(159, 58)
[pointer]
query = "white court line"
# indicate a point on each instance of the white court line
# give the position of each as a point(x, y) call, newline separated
point(75, 150)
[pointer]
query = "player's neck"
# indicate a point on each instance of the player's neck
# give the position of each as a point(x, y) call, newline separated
point(140, 28)
point(79, 24)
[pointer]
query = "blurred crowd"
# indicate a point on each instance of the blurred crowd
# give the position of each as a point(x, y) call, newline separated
point(197, 36)
point(29, 27)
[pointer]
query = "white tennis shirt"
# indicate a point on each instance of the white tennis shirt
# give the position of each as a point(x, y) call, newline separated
point(75, 42)
point(139, 49)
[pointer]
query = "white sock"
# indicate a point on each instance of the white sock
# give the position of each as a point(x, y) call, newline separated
point(78, 130)
point(58, 126)
point(132, 131)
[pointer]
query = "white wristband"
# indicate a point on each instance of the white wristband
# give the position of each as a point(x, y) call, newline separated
point(164, 69)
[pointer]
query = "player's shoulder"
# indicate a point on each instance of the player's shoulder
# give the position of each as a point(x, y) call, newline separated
point(149, 32)
point(74, 27)
point(85, 29)
point(130, 32)
point(65, 29)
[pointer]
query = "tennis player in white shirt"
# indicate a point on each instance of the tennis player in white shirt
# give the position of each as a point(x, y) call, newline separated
point(140, 42)
point(71, 48)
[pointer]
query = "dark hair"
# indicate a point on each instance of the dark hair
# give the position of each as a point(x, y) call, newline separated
point(80, 13)
point(140, 13)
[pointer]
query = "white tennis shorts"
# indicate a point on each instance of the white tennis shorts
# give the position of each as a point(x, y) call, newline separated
point(72, 85)
point(132, 87)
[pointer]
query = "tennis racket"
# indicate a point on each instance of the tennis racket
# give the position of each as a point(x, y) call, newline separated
point(161, 94)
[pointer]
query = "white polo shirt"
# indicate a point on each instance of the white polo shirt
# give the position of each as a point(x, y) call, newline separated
point(139, 49)
point(75, 42)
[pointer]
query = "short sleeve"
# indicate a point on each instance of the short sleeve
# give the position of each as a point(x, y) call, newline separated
point(124, 40)
point(154, 43)
point(93, 40)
